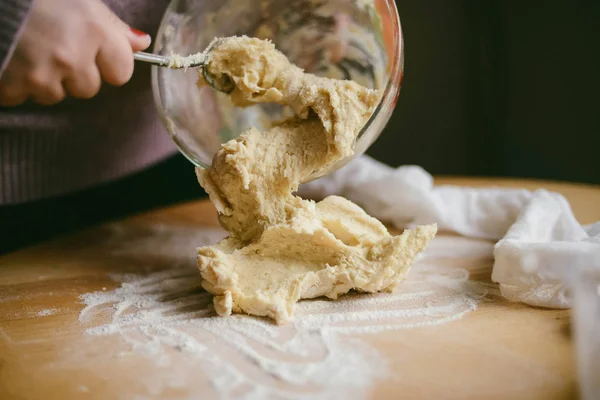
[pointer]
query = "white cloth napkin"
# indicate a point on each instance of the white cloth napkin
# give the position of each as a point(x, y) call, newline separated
point(539, 241)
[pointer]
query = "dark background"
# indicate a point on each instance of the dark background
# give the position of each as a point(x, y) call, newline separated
point(498, 88)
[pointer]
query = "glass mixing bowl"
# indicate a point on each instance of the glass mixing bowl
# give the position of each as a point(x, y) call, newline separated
point(347, 39)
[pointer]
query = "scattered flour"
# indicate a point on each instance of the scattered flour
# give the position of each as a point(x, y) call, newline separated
point(46, 312)
point(166, 315)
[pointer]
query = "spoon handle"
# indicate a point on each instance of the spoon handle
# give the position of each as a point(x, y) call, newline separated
point(153, 59)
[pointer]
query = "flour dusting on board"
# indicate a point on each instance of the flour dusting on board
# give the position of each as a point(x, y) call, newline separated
point(47, 312)
point(168, 317)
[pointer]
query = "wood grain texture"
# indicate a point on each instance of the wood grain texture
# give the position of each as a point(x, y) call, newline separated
point(502, 350)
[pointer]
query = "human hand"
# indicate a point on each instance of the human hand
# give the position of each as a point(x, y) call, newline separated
point(69, 47)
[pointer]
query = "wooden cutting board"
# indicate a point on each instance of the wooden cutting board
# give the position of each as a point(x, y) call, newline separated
point(500, 350)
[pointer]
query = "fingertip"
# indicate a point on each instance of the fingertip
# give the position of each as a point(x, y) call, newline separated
point(139, 40)
point(140, 44)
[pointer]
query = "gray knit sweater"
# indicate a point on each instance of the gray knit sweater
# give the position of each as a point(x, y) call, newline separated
point(49, 151)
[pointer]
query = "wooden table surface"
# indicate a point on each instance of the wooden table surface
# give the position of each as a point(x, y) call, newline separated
point(501, 350)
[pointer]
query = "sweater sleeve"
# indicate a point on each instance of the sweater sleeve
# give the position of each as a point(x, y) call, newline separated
point(13, 14)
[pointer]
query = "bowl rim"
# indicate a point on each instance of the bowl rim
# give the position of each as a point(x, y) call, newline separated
point(394, 81)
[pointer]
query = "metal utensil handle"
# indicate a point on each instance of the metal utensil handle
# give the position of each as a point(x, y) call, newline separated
point(155, 59)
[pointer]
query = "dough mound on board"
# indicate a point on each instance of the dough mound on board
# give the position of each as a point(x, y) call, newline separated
point(283, 248)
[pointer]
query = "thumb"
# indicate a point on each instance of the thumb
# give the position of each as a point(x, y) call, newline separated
point(138, 40)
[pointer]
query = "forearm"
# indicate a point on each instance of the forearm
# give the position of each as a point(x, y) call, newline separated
point(13, 14)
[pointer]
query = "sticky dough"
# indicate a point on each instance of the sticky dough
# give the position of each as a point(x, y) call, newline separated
point(283, 248)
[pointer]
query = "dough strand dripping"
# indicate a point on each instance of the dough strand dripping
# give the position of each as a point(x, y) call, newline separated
point(283, 248)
